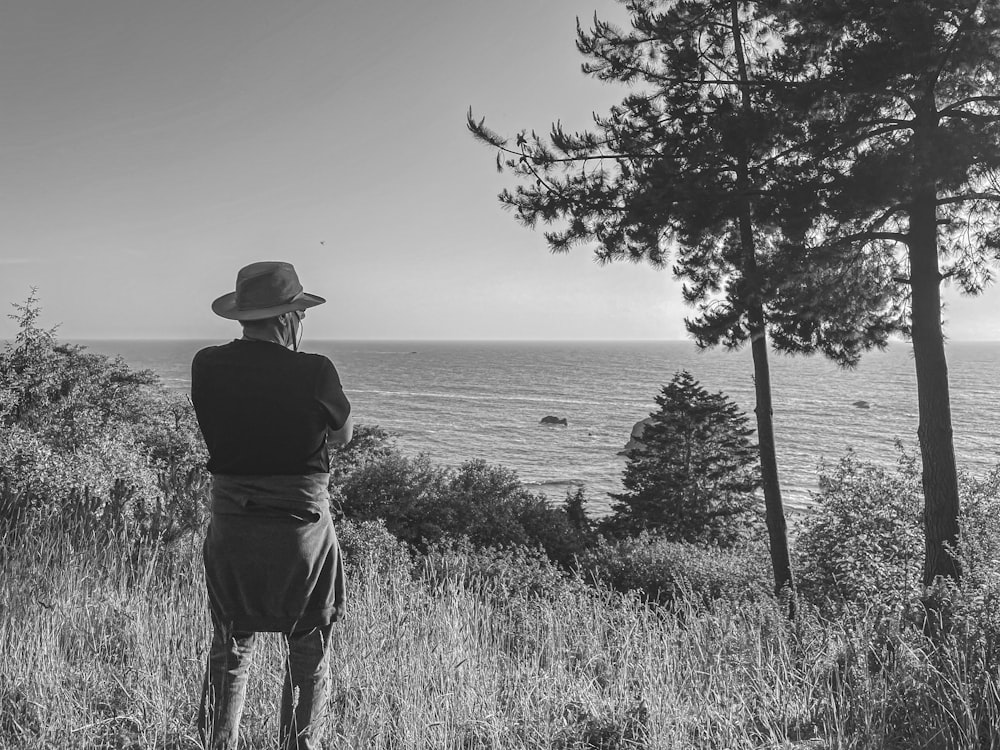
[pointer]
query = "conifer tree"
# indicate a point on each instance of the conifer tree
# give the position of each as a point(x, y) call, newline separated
point(902, 104)
point(693, 478)
point(700, 159)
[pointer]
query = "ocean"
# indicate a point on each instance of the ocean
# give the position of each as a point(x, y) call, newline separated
point(457, 401)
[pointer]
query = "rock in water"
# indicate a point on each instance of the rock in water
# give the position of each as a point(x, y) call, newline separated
point(554, 420)
point(635, 439)
point(862, 404)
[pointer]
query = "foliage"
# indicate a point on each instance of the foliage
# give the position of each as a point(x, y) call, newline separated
point(966, 614)
point(693, 477)
point(398, 489)
point(664, 571)
point(502, 574)
point(901, 99)
point(370, 443)
point(115, 645)
point(703, 158)
point(90, 444)
point(369, 545)
point(575, 507)
point(979, 542)
point(422, 503)
point(863, 541)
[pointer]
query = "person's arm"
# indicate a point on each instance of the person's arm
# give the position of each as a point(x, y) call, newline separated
point(338, 409)
point(343, 435)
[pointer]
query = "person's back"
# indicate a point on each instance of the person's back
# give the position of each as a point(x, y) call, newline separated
point(264, 409)
point(272, 562)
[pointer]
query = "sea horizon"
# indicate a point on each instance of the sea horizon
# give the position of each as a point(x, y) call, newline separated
point(892, 342)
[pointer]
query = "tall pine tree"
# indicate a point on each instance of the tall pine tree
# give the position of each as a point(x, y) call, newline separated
point(902, 104)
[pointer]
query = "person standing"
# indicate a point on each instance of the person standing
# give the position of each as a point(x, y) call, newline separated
point(268, 413)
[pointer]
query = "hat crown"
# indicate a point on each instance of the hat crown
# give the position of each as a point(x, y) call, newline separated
point(265, 289)
point(266, 284)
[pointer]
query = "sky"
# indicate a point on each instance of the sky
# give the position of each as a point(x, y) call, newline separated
point(152, 148)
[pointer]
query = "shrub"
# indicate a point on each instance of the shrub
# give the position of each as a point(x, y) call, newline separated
point(492, 508)
point(400, 491)
point(979, 524)
point(422, 503)
point(971, 625)
point(91, 445)
point(661, 570)
point(501, 574)
point(864, 541)
point(369, 544)
point(370, 443)
point(103, 487)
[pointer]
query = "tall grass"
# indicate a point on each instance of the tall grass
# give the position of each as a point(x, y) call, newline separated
point(101, 647)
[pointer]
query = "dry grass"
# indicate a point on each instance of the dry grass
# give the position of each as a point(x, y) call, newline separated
point(99, 651)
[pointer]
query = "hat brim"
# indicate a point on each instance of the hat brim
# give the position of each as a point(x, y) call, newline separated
point(225, 307)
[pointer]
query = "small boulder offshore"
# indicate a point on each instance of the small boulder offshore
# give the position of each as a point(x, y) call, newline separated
point(554, 420)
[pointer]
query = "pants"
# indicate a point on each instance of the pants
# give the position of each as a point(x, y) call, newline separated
point(303, 697)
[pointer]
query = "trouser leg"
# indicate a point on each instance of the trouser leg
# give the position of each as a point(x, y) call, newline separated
point(224, 688)
point(304, 695)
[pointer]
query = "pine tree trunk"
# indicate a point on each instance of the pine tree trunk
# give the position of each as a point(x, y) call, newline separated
point(937, 451)
point(777, 531)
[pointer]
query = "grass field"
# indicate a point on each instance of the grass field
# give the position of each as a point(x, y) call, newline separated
point(100, 648)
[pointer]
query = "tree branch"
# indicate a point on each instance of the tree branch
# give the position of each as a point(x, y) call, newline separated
point(961, 114)
point(880, 221)
point(865, 237)
point(952, 44)
point(995, 197)
point(970, 100)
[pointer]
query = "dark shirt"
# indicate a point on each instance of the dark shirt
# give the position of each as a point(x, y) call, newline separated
point(264, 409)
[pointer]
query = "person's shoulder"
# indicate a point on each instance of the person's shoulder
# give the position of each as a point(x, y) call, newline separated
point(211, 353)
point(313, 360)
point(319, 366)
point(213, 350)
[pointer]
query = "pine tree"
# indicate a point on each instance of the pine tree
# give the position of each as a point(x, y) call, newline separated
point(694, 477)
point(901, 102)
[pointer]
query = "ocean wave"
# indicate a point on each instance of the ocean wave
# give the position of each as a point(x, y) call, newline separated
point(478, 397)
point(557, 483)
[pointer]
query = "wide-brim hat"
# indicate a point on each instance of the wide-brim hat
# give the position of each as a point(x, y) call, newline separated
point(265, 290)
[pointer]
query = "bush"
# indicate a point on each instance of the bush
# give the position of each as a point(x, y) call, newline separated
point(662, 570)
point(90, 445)
point(864, 541)
point(422, 504)
point(501, 574)
point(971, 625)
point(368, 544)
point(370, 443)
point(398, 490)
